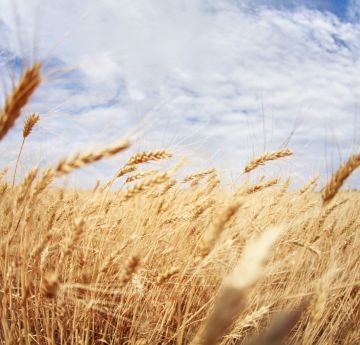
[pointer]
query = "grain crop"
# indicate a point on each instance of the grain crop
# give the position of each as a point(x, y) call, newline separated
point(160, 261)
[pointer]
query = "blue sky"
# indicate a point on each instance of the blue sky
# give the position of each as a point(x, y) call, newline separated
point(218, 81)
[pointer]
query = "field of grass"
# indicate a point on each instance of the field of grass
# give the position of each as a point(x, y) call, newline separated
point(158, 257)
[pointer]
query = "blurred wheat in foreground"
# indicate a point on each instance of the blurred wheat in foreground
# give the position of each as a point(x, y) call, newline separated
point(176, 260)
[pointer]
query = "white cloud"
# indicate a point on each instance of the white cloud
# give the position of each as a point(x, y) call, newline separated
point(217, 77)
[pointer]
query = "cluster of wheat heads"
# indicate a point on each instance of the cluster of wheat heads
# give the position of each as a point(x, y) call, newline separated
point(169, 260)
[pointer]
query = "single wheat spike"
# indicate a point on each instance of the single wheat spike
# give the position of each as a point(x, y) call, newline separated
point(26, 185)
point(29, 123)
point(165, 189)
point(199, 175)
point(146, 184)
point(129, 270)
point(141, 175)
point(270, 156)
point(174, 219)
point(45, 179)
point(167, 275)
point(308, 185)
point(262, 185)
point(121, 172)
point(67, 165)
point(217, 227)
point(18, 97)
point(143, 157)
point(73, 241)
point(233, 297)
point(339, 177)
point(125, 170)
point(3, 172)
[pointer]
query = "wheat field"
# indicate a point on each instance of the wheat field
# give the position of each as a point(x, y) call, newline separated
point(161, 257)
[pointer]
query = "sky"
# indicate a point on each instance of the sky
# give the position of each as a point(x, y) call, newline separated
point(219, 81)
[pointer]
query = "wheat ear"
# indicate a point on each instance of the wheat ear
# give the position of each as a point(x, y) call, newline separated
point(210, 237)
point(18, 98)
point(141, 175)
point(269, 156)
point(143, 157)
point(199, 175)
point(339, 177)
point(233, 297)
point(67, 165)
point(29, 124)
point(3, 172)
point(262, 185)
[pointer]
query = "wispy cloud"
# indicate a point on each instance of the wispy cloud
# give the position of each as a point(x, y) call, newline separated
point(218, 79)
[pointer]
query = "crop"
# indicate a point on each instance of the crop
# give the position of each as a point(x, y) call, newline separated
point(169, 258)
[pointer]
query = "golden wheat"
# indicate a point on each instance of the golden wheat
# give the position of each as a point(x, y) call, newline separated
point(269, 156)
point(67, 165)
point(338, 178)
point(19, 97)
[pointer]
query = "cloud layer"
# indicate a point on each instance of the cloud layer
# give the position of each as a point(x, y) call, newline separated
point(216, 80)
